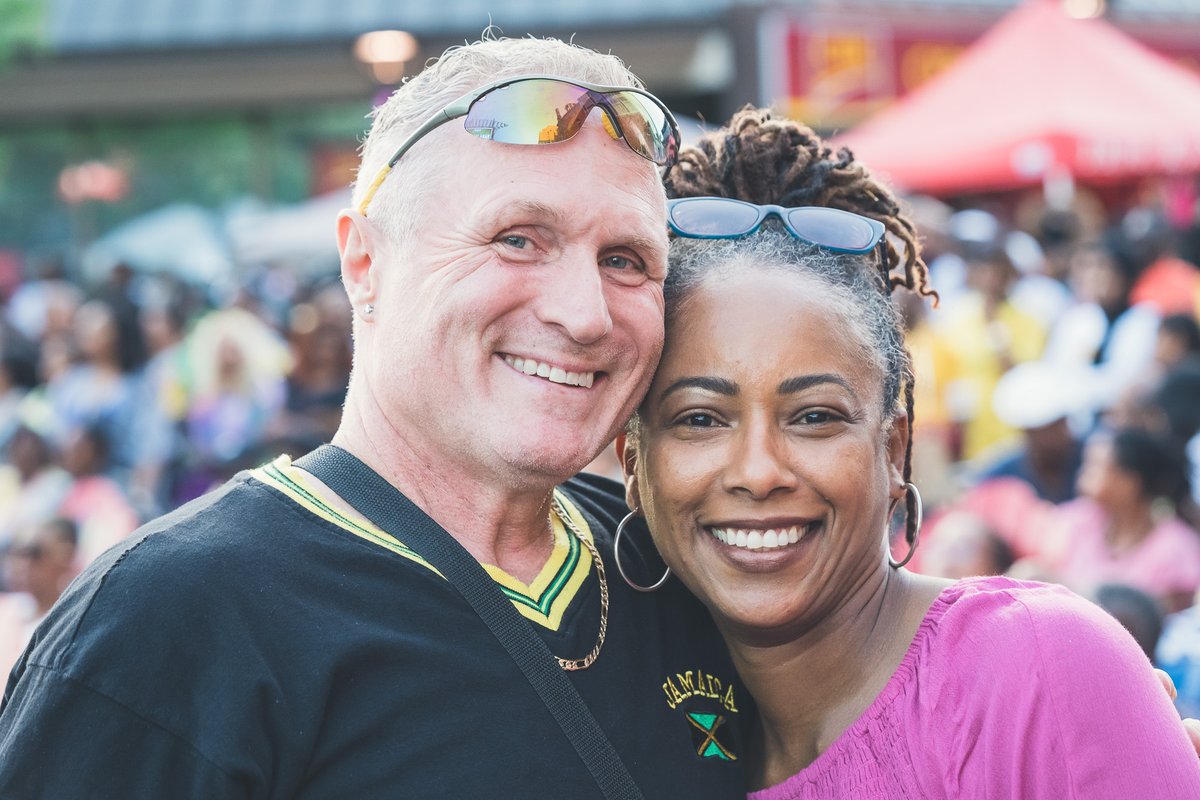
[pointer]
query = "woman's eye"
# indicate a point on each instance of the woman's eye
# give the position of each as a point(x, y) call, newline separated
point(815, 417)
point(697, 420)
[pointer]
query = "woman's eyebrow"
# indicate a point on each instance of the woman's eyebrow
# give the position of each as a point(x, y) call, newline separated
point(715, 385)
point(799, 384)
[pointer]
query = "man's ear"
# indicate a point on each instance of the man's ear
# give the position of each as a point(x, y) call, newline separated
point(897, 447)
point(627, 455)
point(357, 248)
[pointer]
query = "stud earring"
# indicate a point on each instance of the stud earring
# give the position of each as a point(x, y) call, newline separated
point(368, 309)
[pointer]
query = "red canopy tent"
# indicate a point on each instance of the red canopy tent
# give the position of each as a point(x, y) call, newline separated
point(1040, 93)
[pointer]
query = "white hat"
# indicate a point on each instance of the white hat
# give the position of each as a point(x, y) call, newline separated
point(1037, 393)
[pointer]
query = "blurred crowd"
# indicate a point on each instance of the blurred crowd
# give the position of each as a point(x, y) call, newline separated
point(122, 401)
point(1057, 409)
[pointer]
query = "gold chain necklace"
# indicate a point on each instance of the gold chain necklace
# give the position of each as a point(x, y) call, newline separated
point(585, 662)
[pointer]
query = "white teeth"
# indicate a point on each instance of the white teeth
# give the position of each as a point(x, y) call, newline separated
point(552, 373)
point(752, 539)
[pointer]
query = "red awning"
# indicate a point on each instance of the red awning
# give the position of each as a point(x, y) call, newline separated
point(1040, 92)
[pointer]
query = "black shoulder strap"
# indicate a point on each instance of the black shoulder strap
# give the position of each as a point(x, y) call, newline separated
point(380, 502)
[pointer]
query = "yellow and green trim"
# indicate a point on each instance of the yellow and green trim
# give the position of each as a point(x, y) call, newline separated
point(543, 600)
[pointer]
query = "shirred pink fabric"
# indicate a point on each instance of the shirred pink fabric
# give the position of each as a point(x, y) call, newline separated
point(1010, 689)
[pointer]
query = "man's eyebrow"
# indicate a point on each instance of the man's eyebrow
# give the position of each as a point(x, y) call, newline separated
point(716, 385)
point(799, 384)
point(535, 208)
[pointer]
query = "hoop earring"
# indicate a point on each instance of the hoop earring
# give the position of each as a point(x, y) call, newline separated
point(617, 558)
point(920, 514)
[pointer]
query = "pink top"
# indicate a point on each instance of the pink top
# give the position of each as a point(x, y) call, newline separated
point(1164, 563)
point(1010, 689)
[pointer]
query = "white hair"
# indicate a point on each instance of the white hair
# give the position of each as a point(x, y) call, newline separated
point(458, 71)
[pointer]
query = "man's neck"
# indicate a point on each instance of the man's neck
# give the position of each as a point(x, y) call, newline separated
point(497, 522)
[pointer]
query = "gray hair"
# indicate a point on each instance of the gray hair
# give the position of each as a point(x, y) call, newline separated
point(458, 71)
point(872, 320)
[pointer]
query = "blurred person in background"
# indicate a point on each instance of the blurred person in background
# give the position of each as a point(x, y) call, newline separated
point(987, 335)
point(1137, 612)
point(239, 363)
point(18, 375)
point(165, 390)
point(1178, 340)
point(1123, 528)
point(45, 304)
point(97, 390)
point(316, 384)
point(964, 546)
point(96, 503)
point(1103, 333)
point(1178, 654)
point(37, 572)
point(1038, 399)
point(32, 485)
point(1163, 280)
point(118, 293)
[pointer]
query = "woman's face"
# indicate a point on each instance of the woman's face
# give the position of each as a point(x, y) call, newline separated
point(1102, 480)
point(764, 465)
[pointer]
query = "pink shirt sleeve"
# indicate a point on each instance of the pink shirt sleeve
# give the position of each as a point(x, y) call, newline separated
point(1037, 693)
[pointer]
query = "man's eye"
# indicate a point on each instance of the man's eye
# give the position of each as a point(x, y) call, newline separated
point(516, 241)
point(620, 262)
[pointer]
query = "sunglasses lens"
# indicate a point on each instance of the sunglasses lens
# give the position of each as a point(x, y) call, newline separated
point(530, 112)
point(645, 125)
point(830, 227)
point(713, 217)
point(540, 111)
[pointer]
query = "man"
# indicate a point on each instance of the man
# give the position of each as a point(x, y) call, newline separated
point(271, 641)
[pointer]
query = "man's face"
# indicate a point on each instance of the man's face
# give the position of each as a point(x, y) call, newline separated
point(544, 260)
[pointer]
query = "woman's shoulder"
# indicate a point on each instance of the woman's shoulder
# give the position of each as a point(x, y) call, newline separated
point(998, 624)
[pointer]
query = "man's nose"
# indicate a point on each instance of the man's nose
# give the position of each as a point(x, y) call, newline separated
point(572, 298)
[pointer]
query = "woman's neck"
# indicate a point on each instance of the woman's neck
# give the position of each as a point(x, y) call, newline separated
point(1128, 525)
point(810, 689)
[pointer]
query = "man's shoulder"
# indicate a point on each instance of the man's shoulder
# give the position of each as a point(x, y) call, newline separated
point(174, 566)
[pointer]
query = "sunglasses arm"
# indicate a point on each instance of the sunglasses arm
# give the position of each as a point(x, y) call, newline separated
point(457, 109)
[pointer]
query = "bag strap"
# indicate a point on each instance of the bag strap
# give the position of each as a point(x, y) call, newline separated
point(376, 499)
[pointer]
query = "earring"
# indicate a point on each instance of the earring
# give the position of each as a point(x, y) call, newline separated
point(368, 309)
point(617, 558)
point(919, 514)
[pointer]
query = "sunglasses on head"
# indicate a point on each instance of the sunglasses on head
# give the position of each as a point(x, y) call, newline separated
point(542, 109)
point(725, 218)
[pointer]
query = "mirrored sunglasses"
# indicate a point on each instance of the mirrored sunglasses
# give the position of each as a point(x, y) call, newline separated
point(543, 109)
point(726, 218)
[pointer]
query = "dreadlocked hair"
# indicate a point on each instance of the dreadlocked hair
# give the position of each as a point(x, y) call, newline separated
point(763, 160)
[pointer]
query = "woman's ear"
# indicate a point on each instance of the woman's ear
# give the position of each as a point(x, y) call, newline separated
point(897, 448)
point(627, 455)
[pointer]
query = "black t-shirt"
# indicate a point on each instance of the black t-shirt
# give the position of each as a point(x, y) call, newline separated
point(260, 644)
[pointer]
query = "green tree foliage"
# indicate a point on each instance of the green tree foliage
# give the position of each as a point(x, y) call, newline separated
point(22, 27)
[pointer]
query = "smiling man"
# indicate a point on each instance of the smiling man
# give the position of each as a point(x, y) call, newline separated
point(283, 637)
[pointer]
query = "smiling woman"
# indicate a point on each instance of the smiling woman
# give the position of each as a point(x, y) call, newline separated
point(767, 459)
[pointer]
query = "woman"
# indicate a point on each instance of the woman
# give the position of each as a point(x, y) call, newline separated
point(767, 458)
point(1124, 527)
